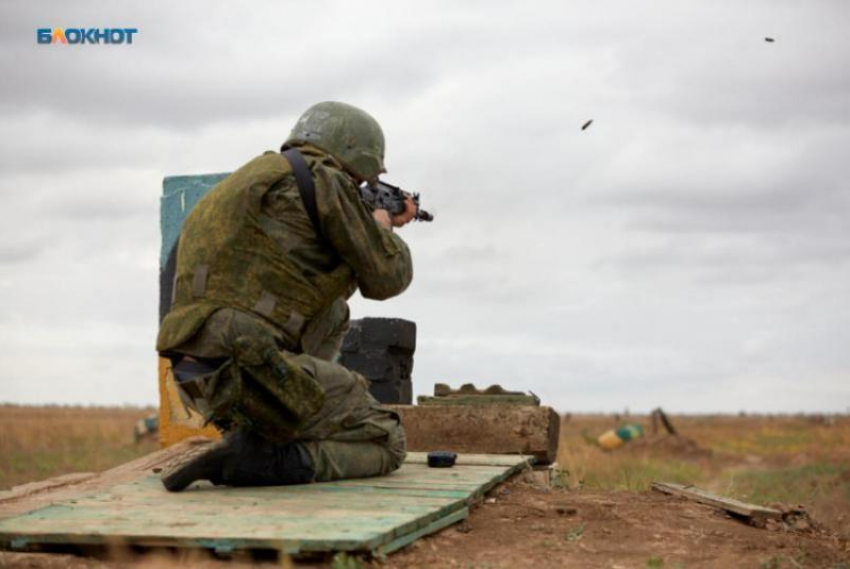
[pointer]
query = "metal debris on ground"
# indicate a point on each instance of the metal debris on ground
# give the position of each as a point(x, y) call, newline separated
point(146, 428)
point(659, 416)
point(615, 438)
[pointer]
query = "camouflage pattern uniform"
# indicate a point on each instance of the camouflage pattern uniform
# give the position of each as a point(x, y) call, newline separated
point(251, 265)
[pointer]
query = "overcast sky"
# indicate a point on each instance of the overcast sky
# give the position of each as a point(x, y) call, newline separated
point(690, 249)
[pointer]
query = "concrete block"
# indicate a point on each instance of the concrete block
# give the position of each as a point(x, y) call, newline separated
point(393, 392)
point(380, 334)
point(378, 366)
point(491, 429)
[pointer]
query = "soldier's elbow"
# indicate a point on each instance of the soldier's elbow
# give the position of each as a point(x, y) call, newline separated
point(381, 291)
point(382, 287)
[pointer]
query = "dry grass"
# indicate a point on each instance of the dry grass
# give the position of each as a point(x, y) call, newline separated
point(40, 442)
point(762, 459)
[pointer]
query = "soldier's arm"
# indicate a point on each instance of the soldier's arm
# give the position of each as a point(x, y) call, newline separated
point(380, 259)
point(383, 216)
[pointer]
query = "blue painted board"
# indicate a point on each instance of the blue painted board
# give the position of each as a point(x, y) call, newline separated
point(179, 196)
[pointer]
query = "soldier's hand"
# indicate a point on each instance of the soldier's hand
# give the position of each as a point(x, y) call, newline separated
point(382, 216)
point(407, 215)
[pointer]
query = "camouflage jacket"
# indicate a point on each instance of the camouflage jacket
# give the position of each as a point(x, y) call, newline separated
point(249, 245)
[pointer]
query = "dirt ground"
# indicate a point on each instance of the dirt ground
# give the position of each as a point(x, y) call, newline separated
point(521, 525)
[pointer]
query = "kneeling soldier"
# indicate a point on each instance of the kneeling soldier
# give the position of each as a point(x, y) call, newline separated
point(265, 264)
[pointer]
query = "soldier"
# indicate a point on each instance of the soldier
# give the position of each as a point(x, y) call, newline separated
point(265, 263)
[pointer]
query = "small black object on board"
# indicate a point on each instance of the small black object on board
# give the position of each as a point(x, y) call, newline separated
point(441, 459)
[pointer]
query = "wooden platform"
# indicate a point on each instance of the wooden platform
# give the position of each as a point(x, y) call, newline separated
point(128, 506)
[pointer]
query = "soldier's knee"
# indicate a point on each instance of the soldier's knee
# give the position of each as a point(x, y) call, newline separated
point(396, 447)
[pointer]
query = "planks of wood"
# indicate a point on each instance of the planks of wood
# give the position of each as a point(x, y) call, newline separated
point(129, 506)
point(487, 429)
point(39, 494)
point(751, 511)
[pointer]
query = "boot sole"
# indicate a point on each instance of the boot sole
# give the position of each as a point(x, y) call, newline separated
point(193, 465)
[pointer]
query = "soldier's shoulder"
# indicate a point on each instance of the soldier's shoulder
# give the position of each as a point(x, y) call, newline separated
point(326, 164)
point(335, 176)
point(268, 166)
point(335, 184)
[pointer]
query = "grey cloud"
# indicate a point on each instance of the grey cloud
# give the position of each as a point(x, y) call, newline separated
point(732, 261)
point(77, 147)
point(738, 78)
point(810, 213)
point(213, 78)
point(15, 252)
point(114, 207)
point(771, 207)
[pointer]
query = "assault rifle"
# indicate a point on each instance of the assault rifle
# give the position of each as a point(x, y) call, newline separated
point(391, 198)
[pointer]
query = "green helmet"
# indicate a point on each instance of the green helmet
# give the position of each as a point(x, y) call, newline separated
point(350, 134)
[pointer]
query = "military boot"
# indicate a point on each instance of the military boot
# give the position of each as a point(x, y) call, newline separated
point(202, 462)
point(241, 459)
point(260, 462)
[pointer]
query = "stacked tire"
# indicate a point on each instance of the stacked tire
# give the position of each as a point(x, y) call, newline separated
point(381, 349)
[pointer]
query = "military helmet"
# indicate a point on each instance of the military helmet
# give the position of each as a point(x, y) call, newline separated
point(350, 134)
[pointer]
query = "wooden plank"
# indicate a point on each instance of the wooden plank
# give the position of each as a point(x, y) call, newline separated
point(376, 514)
point(241, 517)
point(475, 459)
point(24, 490)
point(487, 429)
point(433, 527)
point(689, 492)
point(472, 480)
point(482, 399)
point(252, 521)
point(13, 504)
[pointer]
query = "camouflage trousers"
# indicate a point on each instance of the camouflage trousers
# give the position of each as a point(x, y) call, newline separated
point(352, 435)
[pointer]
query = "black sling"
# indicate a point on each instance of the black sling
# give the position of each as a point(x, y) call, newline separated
point(306, 187)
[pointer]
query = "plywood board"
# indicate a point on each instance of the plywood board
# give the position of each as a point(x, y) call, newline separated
point(745, 509)
point(374, 514)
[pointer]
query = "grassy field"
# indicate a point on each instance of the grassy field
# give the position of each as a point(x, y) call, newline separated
point(40, 442)
point(762, 459)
